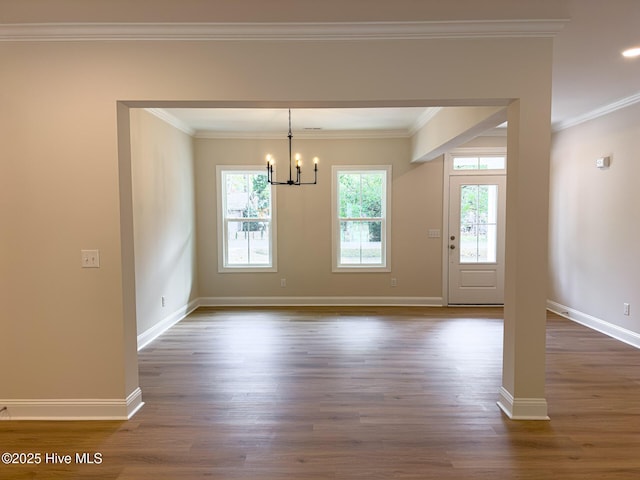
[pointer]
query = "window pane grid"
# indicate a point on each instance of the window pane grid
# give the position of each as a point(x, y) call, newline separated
point(361, 242)
point(485, 162)
point(246, 207)
point(361, 212)
point(247, 243)
point(478, 223)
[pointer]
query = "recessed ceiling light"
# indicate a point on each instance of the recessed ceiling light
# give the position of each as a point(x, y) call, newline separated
point(631, 52)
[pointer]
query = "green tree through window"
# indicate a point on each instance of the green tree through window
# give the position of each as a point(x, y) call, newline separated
point(247, 234)
point(361, 216)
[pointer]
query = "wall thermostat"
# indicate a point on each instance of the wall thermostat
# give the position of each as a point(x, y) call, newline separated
point(603, 162)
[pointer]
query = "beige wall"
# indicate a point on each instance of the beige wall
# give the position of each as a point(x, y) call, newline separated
point(489, 141)
point(163, 219)
point(451, 127)
point(66, 185)
point(594, 228)
point(16, 11)
point(304, 222)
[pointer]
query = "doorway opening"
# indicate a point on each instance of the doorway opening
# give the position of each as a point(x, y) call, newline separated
point(474, 223)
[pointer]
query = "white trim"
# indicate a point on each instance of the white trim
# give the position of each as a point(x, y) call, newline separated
point(598, 112)
point(447, 173)
point(446, 191)
point(475, 152)
point(149, 335)
point(165, 116)
point(481, 151)
point(522, 408)
point(30, 32)
point(313, 135)
point(221, 222)
point(320, 301)
point(614, 331)
point(134, 402)
point(423, 119)
point(73, 409)
point(494, 132)
point(385, 218)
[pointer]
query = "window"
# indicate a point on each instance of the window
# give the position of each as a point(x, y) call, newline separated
point(484, 162)
point(246, 221)
point(361, 223)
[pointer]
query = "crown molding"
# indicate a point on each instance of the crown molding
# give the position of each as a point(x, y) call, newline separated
point(598, 112)
point(423, 119)
point(279, 31)
point(165, 116)
point(301, 135)
point(495, 132)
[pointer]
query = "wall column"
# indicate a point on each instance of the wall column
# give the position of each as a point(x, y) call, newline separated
point(522, 394)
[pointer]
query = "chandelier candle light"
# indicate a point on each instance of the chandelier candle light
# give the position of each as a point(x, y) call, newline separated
point(291, 181)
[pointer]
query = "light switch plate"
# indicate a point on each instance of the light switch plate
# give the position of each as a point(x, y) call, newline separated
point(90, 258)
point(434, 233)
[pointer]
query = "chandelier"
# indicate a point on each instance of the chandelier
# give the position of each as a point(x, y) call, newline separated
point(291, 181)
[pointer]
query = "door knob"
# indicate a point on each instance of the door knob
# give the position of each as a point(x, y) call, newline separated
point(452, 247)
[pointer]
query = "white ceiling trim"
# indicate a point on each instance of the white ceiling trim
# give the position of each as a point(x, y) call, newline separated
point(315, 135)
point(424, 119)
point(171, 120)
point(598, 112)
point(279, 31)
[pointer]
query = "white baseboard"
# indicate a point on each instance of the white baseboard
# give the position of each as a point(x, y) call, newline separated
point(522, 408)
point(72, 409)
point(320, 301)
point(619, 333)
point(149, 335)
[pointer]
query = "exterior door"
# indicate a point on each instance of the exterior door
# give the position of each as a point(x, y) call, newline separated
point(476, 239)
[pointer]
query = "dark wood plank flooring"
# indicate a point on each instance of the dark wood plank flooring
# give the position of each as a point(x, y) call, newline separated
point(354, 393)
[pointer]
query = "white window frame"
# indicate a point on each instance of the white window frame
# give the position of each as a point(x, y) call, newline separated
point(475, 152)
point(386, 219)
point(448, 171)
point(223, 267)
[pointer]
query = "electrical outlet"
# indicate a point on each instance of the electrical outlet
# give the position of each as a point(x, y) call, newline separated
point(394, 282)
point(283, 282)
point(163, 301)
point(626, 308)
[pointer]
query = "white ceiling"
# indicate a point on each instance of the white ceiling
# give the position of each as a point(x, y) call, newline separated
point(268, 121)
point(589, 72)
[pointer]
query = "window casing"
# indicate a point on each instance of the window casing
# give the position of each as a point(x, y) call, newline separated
point(246, 220)
point(477, 161)
point(361, 223)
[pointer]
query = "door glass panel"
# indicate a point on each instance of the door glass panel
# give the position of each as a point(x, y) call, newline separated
point(478, 223)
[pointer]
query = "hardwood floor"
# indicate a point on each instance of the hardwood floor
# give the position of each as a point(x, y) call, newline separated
point(354, 393)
